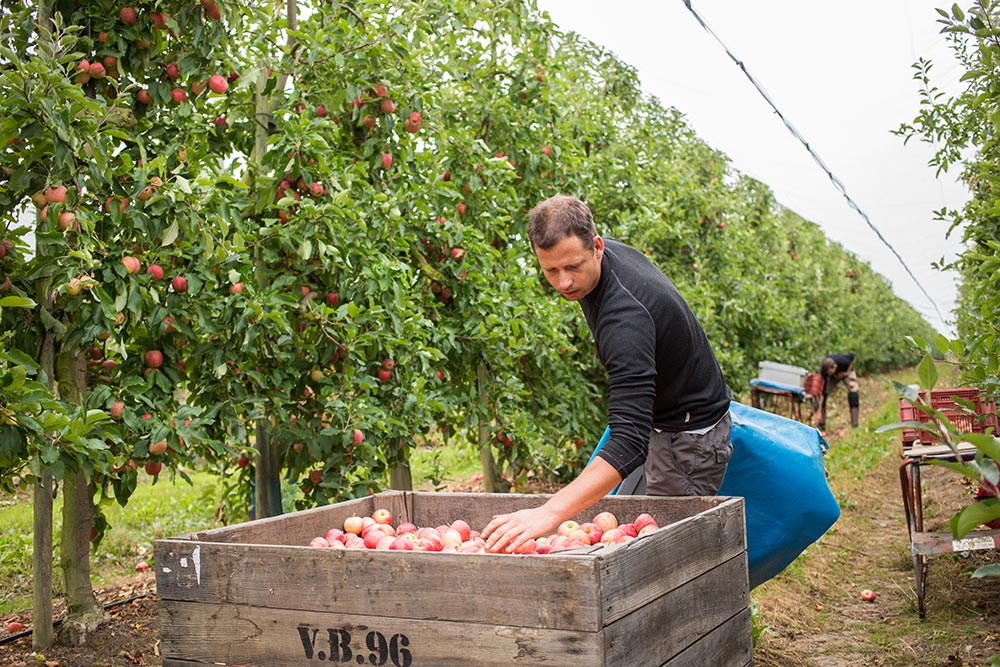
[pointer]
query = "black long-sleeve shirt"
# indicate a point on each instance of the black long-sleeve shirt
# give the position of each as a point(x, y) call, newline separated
point(662, 372)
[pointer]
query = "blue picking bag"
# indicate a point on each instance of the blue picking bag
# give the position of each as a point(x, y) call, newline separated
point(777, 467)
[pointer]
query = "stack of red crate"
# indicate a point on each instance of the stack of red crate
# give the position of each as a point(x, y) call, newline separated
point(984, 413)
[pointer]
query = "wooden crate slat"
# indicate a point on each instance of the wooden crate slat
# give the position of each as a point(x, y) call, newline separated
point(669, 624)
point(643, 570)
point(729, 645)
point(263, 637)
point(482, 588)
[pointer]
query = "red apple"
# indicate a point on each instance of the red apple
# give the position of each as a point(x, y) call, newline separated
point(128, 15)
point(381, 91)
point(382, 516)
point(173, 71)
point(614, 536)
point(55, 195)
point(460, 208)
point(158, 448)
point(628, 529)
point(321, 111)
point(144, 97)
point(440, 374)
point(353, 524)
point(406, 527)
point(243, 461)
point(457, 254)
point(97, 71)
point(373, 537)
point(218, 84)
point(131, 264)
point(402, 543)
point(179, 283)
point(546, 150)
point(384, 375)
point(566, 527)
point(319, 543)
point(644, 520)
point(141, 566)
point(868, 595)
point(358, 437)
point(153, 468)
point(178, 95)
point(211, 9)
point(386, 160)
point(156, 271)
point(67, 220)
point(593, 531)
point(116, 410)
point(463, 528)
point(154, 359)
point(334, 535)
point(332, 298)
point(236, 288)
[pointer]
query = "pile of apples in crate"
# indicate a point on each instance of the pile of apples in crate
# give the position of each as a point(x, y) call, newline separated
point(377, 532)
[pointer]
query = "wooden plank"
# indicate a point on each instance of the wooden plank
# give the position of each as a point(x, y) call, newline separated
point(637, 572)
point(478, 588)
point(929, 543)
point(668, 625)
point(729, 645)
point(225, 634)
point(293, 528)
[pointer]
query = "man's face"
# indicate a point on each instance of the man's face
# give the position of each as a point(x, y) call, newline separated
point(570, 268)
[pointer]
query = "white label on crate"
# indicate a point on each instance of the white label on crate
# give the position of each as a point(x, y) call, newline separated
point(337, 645)
point(972, 543)
point(196, 559)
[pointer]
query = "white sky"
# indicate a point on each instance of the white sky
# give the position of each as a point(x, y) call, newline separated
point(841, 75)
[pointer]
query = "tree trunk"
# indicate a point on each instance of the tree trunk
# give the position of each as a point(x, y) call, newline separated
point(492, 482)
point(42, 634)
point(400, 477)
point(41, 563)
point(267, 474)
point(84, 614)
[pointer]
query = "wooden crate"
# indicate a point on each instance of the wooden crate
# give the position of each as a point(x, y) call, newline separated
point(254, 594)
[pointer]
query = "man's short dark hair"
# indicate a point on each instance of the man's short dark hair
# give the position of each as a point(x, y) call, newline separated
point(552, 220)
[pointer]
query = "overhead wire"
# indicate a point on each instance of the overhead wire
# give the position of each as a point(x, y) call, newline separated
point(795, 133)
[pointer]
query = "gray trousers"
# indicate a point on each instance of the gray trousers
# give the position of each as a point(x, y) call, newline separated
point(683, 464)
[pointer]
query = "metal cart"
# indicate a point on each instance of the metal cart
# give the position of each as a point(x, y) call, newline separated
point(919, 448)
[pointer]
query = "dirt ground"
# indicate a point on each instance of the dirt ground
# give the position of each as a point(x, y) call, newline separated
point(812, 614)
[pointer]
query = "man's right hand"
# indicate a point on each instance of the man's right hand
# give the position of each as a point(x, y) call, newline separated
point(507, 532)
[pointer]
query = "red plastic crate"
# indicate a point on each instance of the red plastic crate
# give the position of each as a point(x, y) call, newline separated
point(943, 400)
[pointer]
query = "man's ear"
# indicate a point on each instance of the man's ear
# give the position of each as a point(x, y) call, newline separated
point(598, 247)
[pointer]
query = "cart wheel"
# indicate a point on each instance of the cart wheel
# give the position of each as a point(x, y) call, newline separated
point(920, 572)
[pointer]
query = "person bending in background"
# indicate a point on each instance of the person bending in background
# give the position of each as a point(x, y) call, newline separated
point(837, 368)
point(669, 402)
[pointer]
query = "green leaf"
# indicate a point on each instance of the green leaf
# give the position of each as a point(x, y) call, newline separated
point(987, 444)
point(974, 515)
point(170, 235)
point(942, 343)
point(16, 302)
point(927, 371)
point(991, 570)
